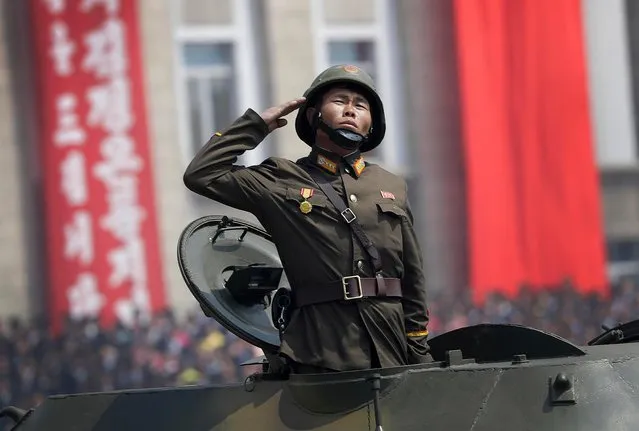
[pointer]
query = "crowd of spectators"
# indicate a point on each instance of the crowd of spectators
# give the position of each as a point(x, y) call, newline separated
point(168, 351)
point(560, 310)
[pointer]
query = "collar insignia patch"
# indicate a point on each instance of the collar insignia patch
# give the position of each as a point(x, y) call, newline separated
point(359, 165)
point(326, 163)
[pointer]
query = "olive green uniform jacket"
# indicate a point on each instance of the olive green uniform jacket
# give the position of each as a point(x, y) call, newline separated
point(318, 247)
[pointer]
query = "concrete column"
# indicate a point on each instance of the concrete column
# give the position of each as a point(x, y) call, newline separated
point(174, 211)
point(291, 46)
point(610, 83)
point(19, 278)
point(431, 86)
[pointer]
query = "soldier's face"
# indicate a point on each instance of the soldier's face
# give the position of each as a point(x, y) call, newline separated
point(344, 108)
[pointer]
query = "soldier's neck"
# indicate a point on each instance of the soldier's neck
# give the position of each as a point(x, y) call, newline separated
point(331, 161)
point(331, 147)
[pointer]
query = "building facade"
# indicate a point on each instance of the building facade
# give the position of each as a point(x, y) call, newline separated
point(206, 61)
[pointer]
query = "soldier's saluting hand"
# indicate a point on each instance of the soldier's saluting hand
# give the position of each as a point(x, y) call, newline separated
point(273, 116)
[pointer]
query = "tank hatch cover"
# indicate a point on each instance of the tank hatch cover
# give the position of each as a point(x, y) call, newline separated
point(233, 270)
point(502, 342)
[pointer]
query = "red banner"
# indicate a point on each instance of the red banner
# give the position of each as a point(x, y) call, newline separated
point(532, 183)
point(102, 245)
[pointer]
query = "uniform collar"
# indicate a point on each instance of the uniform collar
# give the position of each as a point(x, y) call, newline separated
point(331, 162)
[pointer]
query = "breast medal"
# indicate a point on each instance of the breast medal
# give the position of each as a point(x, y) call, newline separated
point(305, 205)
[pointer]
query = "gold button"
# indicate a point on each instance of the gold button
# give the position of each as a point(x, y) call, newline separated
point(353, 198)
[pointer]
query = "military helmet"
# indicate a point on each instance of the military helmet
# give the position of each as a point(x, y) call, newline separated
point(352, 76)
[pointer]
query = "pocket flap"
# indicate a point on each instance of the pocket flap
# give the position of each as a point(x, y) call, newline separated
point(391, 208)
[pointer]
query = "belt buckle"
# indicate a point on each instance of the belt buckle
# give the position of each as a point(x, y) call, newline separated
point(347, 297)
point(348, 215)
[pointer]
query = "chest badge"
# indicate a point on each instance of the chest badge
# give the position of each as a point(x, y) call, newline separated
point(305, 205)
point(387, 195)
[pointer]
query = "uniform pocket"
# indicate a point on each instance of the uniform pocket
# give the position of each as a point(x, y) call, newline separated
point(391, 209)
point(390, 218)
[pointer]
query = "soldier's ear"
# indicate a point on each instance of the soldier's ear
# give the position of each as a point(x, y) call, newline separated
point(310, 112)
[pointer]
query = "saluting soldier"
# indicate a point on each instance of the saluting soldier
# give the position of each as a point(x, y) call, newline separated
point(354, 265)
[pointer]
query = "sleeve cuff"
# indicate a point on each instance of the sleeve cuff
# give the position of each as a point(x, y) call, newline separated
point(415, 334)
point(254, 116)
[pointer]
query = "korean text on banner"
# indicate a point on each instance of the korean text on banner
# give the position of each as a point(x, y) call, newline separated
point(102, 244)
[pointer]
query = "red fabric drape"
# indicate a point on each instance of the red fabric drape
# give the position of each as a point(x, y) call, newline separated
point(532, 182)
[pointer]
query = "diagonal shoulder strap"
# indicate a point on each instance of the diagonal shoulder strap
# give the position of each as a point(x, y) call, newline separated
point(348, 215)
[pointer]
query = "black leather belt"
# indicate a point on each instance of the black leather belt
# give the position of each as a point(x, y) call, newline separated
point(348, 289)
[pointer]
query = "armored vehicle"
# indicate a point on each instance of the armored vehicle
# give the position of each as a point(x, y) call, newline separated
point(488, 377)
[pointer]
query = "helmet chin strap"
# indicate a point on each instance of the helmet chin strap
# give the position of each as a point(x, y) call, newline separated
point(344, 138)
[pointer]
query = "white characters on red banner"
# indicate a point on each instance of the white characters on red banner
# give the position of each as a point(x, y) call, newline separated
point(78, 236)
point(127, 262)
point(119, 158)
point(85, 299)
point(62, 49)
point(74, 182)
point(92, 148)
point(111, 6)
point(110, 109)
point(69, 130)
point(105, 50)
point(55, 6)
point(110, 106)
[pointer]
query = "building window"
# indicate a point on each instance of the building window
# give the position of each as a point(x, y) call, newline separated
point(210, 81)
point(218, 70)
point(361, 53)
point(623, 260)
point(623, 250)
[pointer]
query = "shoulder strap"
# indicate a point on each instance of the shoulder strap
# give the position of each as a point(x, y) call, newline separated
point(347, 214)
